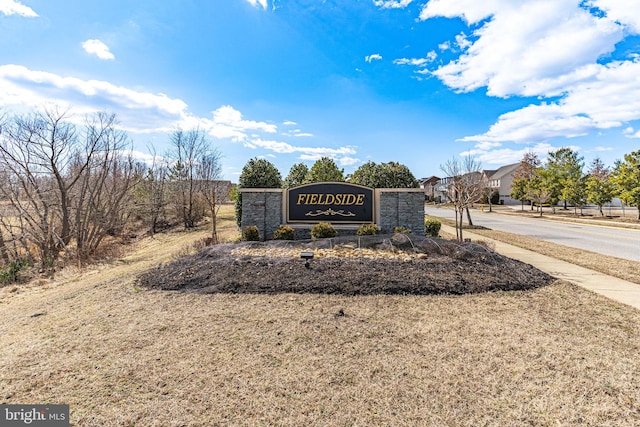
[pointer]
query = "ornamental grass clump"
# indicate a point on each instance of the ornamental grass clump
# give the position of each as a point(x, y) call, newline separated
point(368, 230)
point(284, 232)
point(323, 230)
point(401, 229)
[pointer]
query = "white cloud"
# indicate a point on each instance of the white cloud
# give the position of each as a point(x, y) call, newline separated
point(556, 50)
point(286, 148)
point(12, 7)
point(471, 11)
point(138, 112)
point(228, 123)
point(97, 48)
point(623, 11)
point(341, 154)
point(145, 112)
point(297, 133)
point(492, 156)
point(609, 100)
point(444, 45)
point(417, 62)
point(258, 3)
point(631, 133)
point(373, 57)
point(525, 42)
point(348, 161)
point(289, 123)
point(392, 4)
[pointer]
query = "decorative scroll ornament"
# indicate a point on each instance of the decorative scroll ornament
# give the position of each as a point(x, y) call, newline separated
point(330, 212)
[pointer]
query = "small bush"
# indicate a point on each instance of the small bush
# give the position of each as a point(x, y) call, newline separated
point(10, 275)
point(367, 230)
point(284, 232)
point(432, 227)
point(323, 230)
point(251, 234)
point(401, 229)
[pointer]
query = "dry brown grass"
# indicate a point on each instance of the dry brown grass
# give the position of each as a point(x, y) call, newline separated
point(617, 267)
point(121, 356)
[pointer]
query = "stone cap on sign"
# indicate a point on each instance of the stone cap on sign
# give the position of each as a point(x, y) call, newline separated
point(261, 190)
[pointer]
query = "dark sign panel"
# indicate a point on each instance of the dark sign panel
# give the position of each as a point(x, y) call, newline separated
point(335, 202)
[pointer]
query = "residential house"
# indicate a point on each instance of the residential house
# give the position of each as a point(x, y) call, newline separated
point(429, 185)
point(500, 180)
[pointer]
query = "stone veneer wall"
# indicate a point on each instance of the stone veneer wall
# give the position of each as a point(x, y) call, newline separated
point(264, 208)
point(401, 207)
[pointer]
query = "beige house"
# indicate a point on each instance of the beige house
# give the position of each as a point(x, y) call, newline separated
point(500, 180)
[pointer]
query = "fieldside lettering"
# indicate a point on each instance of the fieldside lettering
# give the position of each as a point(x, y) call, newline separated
point(330, 199)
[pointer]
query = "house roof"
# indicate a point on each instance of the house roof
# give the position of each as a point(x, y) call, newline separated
point(432, 178)
point(502, 171)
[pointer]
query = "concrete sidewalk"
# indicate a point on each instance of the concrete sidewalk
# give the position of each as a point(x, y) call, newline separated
point(611, 287)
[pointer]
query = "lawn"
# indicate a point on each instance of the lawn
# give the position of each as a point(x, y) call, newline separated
point(123, 356)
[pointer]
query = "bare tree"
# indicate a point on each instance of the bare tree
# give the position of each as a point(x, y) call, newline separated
point(213, 191)
point(50, 167)
point(36, 151)
point(464, 187)
point(189, 147)
point(103, 195)
point(151, 193)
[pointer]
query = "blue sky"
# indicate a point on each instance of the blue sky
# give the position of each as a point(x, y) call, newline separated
point(412, 81)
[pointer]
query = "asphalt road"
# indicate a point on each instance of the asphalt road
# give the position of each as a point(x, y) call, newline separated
point(618, 242)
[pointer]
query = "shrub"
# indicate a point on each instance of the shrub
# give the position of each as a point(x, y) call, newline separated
point(432, 227)
point(284, 232)
point(402, 230)
point(323, 230)
point(10, 275)
point(251, 233)
point(367, 230)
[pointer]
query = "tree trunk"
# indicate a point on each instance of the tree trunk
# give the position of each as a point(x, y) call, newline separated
point(214, 226)
point(469, 217)
point(457, 227)
point(4, 253)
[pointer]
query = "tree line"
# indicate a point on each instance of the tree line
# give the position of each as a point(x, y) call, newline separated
point(69, 186)
point(562, 179)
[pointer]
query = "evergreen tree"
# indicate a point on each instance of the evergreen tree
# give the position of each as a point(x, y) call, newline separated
point(561, 174)
point(325, 169)
point(297, 175)
point(600, 188)
point(521, 187)
point(367, 174)
point(385, 175)
point(257, 173)
point(626, 178)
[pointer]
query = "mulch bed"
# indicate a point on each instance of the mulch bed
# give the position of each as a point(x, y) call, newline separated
point(420, 266)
